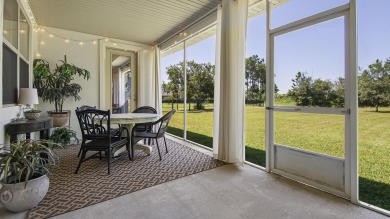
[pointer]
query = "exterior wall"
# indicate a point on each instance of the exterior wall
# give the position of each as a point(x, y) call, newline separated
point(84, 56)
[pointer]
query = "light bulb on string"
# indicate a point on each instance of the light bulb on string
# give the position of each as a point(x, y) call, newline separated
point(42, 42)
point(66, 41)
point(51, 35)
point(81, 43)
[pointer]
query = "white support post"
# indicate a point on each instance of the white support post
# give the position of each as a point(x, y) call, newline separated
point(353, 101)
point(1, 51)
point(269, 114)
point(185, 92)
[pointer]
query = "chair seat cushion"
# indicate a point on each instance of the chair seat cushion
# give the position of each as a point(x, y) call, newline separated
point(145, 134)
point(102, 144)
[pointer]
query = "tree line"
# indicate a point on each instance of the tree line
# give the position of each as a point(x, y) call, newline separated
point(373, 85)
point(200, 82)
point(373, 88)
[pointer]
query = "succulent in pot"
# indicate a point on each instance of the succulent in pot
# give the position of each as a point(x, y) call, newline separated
point(24, 171)
point(32, 114)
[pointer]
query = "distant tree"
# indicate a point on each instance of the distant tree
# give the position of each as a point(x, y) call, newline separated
point(339, 89)
point(301, 91)
point(176, 82)
point(322, 93)
point(374, 85)
point(200, 82)
point(255, 78)
point(165, 89)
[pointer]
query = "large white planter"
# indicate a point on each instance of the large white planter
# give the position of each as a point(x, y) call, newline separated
point(16, 198)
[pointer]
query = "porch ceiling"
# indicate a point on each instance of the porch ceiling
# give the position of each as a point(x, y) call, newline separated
point(147, 22)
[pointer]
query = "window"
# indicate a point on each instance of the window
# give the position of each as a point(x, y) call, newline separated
point(10, 92)
point(193, 119)
point(15, 52)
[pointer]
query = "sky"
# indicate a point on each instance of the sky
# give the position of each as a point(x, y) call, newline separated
point(317, 50)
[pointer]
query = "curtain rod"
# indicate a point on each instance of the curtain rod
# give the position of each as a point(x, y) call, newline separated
point(251, 3)
point(188, 26)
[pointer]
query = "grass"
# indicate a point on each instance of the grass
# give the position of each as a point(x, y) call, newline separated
point(313, 132)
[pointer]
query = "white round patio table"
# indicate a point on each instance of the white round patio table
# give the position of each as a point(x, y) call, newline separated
point(129, 120)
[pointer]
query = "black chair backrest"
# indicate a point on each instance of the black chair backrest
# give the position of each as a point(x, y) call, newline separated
point(164, 121)
point(94, 123)
point(145, 109)
point(85, 107)
point(116, 110)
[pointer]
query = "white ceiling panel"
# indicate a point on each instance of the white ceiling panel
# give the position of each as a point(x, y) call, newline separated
point(143, 21)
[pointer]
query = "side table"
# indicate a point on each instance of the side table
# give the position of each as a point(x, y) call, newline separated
point(24, 126)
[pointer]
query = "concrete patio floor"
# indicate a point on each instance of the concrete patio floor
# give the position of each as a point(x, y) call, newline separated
point(230, 191)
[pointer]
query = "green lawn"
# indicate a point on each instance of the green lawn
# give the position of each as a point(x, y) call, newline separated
point(313, 132)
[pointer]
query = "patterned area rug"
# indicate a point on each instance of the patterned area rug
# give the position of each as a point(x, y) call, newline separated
point(69, 191)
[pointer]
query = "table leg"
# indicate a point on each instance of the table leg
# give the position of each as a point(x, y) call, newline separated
point(44, 134)
point(13, 138)
point(145, 148)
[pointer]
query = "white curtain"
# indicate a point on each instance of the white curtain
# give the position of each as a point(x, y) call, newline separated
point(157, 73)
point(229, 100)
point(115, 84)
point(149, 84)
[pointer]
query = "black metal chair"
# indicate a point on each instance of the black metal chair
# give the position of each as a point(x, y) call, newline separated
point(145, 109)
point(114, 131)
point(81, 108)
point(162, 124)
point(95, 128)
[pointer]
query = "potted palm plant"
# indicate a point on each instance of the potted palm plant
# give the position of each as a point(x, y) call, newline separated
point(55, 85)
point(24, 173)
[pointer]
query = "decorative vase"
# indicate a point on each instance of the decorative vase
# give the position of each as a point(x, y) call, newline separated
point(32, 116)
point(59, 119)
point(17, 198)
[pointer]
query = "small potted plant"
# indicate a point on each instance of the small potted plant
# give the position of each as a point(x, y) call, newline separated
point(64, 136)
point(32, 114)
point(24, 173)
point(55, 86)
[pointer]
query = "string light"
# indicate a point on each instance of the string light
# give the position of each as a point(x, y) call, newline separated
point(38, 55)
point(80, 42)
